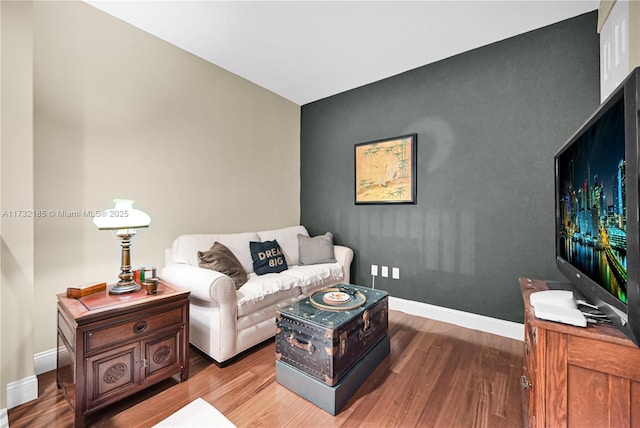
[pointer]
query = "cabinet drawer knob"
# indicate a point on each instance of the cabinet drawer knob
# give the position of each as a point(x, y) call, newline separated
point(140, 327)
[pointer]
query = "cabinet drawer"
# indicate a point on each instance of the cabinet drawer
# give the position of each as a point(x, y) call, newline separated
point(131, 328)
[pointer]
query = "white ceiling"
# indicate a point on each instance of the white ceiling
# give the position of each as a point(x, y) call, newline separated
point(305, 51)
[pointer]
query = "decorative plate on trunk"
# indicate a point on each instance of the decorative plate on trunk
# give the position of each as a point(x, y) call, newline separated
point(338, 299)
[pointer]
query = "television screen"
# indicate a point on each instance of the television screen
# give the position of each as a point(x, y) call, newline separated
point(592, 201)
point(598, 208)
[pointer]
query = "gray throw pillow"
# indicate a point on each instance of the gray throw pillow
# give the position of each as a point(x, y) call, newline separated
point(316, 250)
point(221, 259)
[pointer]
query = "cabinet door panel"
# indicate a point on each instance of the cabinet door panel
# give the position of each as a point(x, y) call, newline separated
point(635, 405)
point(111, 373)
point(619, 408)
point(555, 377)
point(588, 391)
point(163, 353)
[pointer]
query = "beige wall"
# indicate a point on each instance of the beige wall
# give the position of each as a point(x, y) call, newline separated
point(16, 193)
point(120, 113)
point(604, 10)
point(619, 29)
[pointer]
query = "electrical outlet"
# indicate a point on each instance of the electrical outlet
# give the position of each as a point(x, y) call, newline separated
point(395, 273)
point(385, 271)
point(374, 270)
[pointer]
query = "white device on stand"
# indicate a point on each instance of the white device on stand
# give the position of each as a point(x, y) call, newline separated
point(557, 305)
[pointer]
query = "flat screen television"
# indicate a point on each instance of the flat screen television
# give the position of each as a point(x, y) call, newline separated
point(597, 213)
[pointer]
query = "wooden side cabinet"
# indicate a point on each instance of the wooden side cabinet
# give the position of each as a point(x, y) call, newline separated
point(111, 346)
point(577, 377)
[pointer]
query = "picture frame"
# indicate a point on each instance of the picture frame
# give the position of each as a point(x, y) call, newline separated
point(385, 171)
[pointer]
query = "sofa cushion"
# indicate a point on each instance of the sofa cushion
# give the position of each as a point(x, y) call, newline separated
point(221, 259)
point(185, 247)
point(267, 257)
point(311, 276)
point(316, 250)
point(254, 297)
point(288, 240)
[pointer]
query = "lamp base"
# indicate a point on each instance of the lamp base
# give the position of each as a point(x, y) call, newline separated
point(123, 287)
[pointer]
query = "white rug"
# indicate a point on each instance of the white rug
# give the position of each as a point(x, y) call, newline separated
point(197, 414)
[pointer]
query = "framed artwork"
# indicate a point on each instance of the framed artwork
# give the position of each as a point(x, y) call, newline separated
point(385, 171)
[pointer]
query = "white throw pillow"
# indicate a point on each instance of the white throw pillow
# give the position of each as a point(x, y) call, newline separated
point(287, 239)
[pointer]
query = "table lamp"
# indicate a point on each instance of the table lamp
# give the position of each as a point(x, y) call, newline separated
point(123, 219)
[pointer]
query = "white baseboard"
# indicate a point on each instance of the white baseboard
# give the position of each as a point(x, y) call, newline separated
point(21, 391)
point(45, 361)
point(496, 326)
point(4, 419)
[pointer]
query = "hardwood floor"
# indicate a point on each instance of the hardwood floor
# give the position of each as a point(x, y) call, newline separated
point(437, 375)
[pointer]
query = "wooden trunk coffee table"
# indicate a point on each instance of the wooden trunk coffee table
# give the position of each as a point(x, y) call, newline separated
point(325, 349)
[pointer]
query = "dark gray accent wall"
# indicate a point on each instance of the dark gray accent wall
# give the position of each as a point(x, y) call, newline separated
point(488, 122)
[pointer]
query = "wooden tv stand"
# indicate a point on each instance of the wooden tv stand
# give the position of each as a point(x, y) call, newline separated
point(574, 376)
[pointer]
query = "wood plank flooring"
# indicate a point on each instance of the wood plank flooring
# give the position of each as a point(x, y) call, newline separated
point(437, 375)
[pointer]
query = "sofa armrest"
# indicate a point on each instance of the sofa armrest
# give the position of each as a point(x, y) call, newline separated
point(204, 284)
point(344, 256)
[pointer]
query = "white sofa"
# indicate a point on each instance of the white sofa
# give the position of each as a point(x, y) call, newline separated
point(225, 321)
